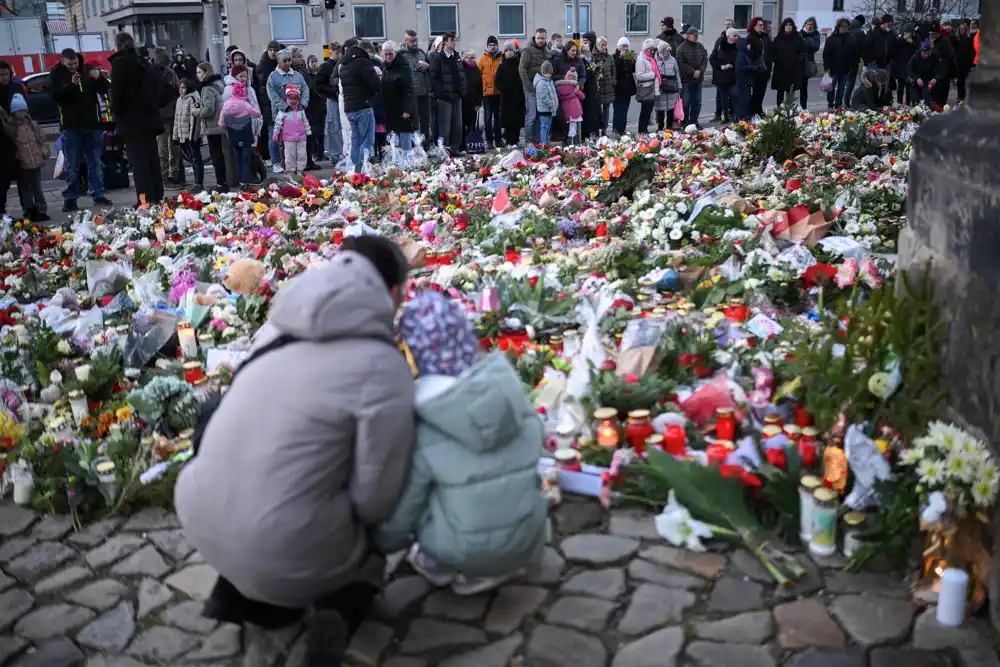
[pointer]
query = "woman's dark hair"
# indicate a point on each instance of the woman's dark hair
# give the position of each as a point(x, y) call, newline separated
point(384, 253)
point(4, 65)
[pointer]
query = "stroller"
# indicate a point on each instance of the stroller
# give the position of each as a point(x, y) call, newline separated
point(114, 162)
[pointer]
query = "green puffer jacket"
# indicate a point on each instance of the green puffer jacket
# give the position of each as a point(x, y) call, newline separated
point(472, 500)
point(606, 64)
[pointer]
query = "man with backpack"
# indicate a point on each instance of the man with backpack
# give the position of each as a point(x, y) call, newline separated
point(138, 91)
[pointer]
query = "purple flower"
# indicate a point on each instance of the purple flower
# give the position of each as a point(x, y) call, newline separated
point(183, 282)
point(567, 228)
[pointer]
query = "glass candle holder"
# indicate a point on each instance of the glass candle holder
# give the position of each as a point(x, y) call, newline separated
point(793, 432)
point(193, 372)
point(854, 525)
point(807, 487)
point(719, 451)
point(639, 428)
point(675, 440)
point(568, 459)
point(78, 405)
point(770, 431)
point(802, 416)
point(187, 341)
point(607, 428)
point(823, 538)
point(773, 419)
point(725, 424)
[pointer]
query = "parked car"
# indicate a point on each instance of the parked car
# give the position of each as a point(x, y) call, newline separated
point(41, 106)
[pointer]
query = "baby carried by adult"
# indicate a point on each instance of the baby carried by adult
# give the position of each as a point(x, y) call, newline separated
point(472, 499)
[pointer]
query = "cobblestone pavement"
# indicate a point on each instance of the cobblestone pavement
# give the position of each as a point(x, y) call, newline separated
point(609, 593)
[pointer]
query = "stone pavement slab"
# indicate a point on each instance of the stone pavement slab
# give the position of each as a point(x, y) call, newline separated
point(608, 593)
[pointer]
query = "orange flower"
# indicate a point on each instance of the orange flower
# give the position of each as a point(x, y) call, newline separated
point(605, 174)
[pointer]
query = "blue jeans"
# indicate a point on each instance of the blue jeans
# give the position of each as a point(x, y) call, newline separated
point(839, 96)
point(334, 133)
point(405, 140)
point(622, 103)
point(83, 146)
point(530, 115)
point(273, 150)
point(192, 149)
point(691, 96)
point(605, 116)
point(726, 101)
point(242, 144)
point(362, 135)
point(544, 128)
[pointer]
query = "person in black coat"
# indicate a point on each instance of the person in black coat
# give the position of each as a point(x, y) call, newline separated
point(925, 74)
point(811, 39)
point(945, 50)
point(138, 118)
point(448, 84)
point(569, 58)
point(398, 101)
point(472, 100)
point(873, 94)
point(360, 86)
point(508, 82)
point(840, 60)
point(788, 53)
point(723, 59)
point(757, 43)
point(624, 84)
point(907, 47)
point(268, 63)
point(592, 110)
point(882, 45)
point(965, 55)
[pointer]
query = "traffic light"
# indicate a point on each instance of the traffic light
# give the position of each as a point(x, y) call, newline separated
point(334, 6)
point(223, 18)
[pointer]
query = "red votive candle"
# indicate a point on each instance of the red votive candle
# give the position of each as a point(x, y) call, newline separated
point(193, 372)
point(725, 424)
point(718, 451)
point(675, 440)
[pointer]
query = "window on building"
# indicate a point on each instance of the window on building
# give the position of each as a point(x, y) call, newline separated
point(442, 19)
point(691, 15)
point(288, 23)
point(741, 16)
point(510, 20)
point(838, 5)
point(369, 21)
point(770, 13)
point(584, 19)
point(637, 18)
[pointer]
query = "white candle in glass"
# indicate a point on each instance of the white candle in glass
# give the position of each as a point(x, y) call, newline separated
point(951, 599)
point(187, 340)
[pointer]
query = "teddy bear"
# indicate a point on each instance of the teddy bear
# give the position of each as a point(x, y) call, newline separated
point(245, 276)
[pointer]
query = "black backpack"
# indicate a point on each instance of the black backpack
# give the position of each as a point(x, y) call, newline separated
point(208, 408)
point(157, 87)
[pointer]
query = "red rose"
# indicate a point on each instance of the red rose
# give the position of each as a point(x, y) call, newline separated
point(608, 365)
point(777, 458)
point(807, 452)
point(819, 274)
point(702, 371)
point(602, 230)
point(631, 378)
point(533, 280)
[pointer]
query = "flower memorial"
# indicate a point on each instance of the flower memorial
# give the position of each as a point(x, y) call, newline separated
point(710, 323)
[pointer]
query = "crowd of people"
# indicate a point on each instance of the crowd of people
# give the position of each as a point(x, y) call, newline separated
point(288, 111)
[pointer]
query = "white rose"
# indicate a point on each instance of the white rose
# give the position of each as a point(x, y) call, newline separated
point(676, 235)
point(681, 208)
point(63, 347)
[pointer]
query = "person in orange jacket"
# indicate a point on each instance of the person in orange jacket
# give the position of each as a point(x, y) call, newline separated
point(488, 65)
point(975, 44)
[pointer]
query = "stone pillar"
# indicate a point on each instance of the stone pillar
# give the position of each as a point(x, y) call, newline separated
point(953, 228)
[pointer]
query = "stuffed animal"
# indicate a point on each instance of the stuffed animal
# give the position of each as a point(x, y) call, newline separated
point(550, 486)
point(245, 276)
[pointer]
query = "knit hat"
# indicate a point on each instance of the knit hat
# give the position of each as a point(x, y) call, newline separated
point(17, 103)
point(926, 46)
point(692, 31)
point(283, 54)
point(239, 90)
point(274, 44)
point(352, 41)
point(492, 40)
point(648, 44)
point(439, 335)
point(669, 21)
point(571, 74)
point(509, 46)
point(886, 19)
point(291, 90)
point(623, 41)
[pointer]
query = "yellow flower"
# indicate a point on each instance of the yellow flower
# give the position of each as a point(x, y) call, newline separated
point(260, 208)
point(716, 278)
point(327, 194)
point(123, 413)
point(403, 199)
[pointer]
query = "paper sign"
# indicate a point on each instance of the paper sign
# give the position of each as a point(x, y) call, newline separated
point(27, 65)
point(501, 201)
point(217, 357)
point(763, 326)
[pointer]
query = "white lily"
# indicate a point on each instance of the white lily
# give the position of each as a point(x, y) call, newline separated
point(676, 525)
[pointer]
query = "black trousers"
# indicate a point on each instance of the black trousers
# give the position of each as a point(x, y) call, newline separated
point(491, 118)
point(664, 120)
point(424, 115)
point(759, 91)
point(645, 111)
point(218, 157)
point(144, 158)
point(226, 603)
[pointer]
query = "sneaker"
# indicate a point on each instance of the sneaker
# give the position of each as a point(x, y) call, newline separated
point(716, 118)
point(278, 169)
point(428, 569)
point(69, 207)
point(103, 201)
point(468, 586)
point(40, 217)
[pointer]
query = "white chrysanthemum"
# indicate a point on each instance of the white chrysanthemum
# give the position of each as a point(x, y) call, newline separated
point(681, 208)
point(729, 213)
point(911, 456)
point(676, 234)
point(983, 492)
point(959, 467)
point(931, 472)
point(945, 434)
point(852, 228)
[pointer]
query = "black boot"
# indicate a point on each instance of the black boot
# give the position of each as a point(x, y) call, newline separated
point(333, 622)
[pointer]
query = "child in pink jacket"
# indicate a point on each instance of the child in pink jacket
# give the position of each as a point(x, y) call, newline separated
point(571, 104)
point(292, 127)
point(235, 120)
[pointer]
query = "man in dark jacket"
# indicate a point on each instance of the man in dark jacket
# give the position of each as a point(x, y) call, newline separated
point(420, 65)
point(268, 63)
point(669, 35)
point(168, 149)
point(448, 84)
point(692, 60)
point(926, 71)
point(723, 61)
point(75, 88)
point(10, 85)
point(944, 48)
point(909, 44)
point(840, 60)
point(328, 87)
point(137, 117)
point(532, 57)
point(472, 100)
point(360, 85)
point(181, 65)
point(624, 84)
point(882, 45)
point(857, 32)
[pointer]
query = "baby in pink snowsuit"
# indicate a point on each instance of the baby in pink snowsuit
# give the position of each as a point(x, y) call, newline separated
point(571, 103)
point(292, 127)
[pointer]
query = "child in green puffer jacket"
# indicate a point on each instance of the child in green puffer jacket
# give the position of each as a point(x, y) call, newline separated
point(472, 501)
